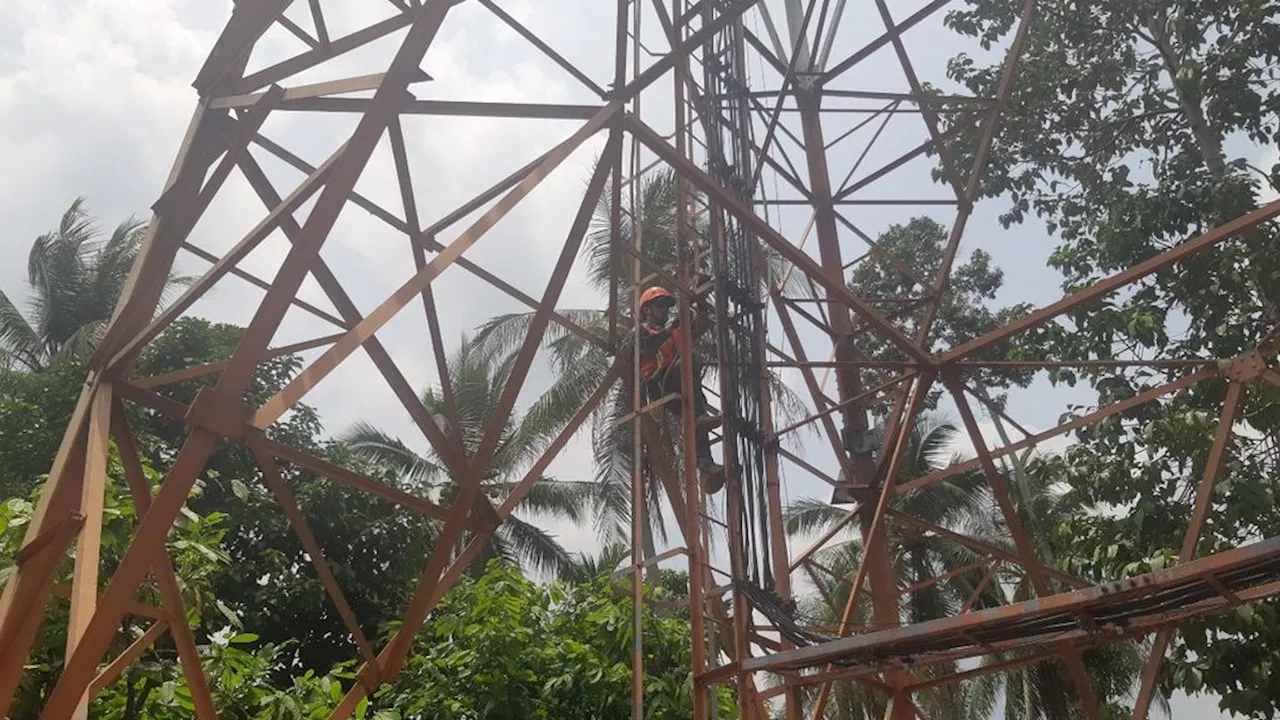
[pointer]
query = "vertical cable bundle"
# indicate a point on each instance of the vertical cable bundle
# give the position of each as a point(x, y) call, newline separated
point(739, 275)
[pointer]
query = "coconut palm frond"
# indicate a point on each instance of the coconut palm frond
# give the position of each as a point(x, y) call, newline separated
point(809, 515)
point(504, 334)
point(612, 459)
point(789, 407)
point(19, 341)
point(590, 567)
point(81, 342)
point(372, 445)
point(552, 411)
point(567, 500)
point(76, 278)
point(535, 548)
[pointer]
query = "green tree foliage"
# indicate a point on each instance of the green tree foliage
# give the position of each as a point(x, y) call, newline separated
point(241, 671)
point(964, 504)
point(958, 503)
point(375, 548)
point(502, 646)
point(1117, 135)
point(195, 545)
point(34, 411)
point(498, 646)
point(962, 315)
point(75, 278)
point(1133, 126)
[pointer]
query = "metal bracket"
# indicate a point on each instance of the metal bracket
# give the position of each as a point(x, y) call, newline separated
point(867, 442)
point(220, 413)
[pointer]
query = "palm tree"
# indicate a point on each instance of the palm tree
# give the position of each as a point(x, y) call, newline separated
point(581, 366)
point(1044, 690)
point(586, 567)
point(915, 558)
point(965, 505)
point(75, 278)
point(478, 380)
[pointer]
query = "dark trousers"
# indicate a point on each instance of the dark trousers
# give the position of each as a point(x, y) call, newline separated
point(670, 381)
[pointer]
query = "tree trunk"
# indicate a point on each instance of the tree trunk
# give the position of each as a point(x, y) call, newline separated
point(652, 576)
point(1208, 141)
point(1208, 145)
point(129, 711)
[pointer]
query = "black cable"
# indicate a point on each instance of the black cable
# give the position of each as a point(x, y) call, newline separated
point(740, 318)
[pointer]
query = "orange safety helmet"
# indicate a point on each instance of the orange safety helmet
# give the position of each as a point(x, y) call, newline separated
point(655, 293)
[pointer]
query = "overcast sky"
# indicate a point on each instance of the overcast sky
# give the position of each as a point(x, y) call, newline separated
point(95, 96)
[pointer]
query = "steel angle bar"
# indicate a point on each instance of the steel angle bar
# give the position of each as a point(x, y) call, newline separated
point(803, 262)
point(1109, 285)
point(906, 640)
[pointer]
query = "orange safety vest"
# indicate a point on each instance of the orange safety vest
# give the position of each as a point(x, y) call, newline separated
point(665, 355)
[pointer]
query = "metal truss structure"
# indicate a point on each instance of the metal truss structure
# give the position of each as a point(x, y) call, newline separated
point(760, 107)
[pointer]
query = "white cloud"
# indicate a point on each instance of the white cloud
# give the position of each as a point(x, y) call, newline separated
point(95, 98)
point(963, 444)
point(1270, 157)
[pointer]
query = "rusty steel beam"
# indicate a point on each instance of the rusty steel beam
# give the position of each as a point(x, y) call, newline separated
point(982, 547)
point(969, 194)
point(1204, 496)
point(395, 133)
point(448, 108)
point(771, 237)
point(177, 411)
point(308, 378)
point(926, 108)
point(425, 238)
point(310, 91)
point(166, 578)
point(201, 286)
point(451, 453)
point(222, 403)
point(302, 529)
point(546, 49)
point(875, 540)
point(819, 400)
point(1083, 421)
point(88, 553)
point(884, 39)
point(887, 642)
point(788, 83)
point(247, 24)
point(299, 63)
point(137, 609)
point(1026, 550)
point(261, 284)
point(204, 369)
point(688, 520)
point(53, 525)
point(1105, 287)
point(126, 658)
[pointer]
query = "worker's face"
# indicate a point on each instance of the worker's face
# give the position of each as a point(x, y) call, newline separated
point(657, 312)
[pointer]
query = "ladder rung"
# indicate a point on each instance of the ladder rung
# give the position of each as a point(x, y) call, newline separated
point(648, 408)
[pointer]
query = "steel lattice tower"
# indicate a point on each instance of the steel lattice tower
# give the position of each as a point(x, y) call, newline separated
point(762, 106)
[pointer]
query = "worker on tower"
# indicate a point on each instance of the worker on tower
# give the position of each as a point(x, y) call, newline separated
point(661, 373)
